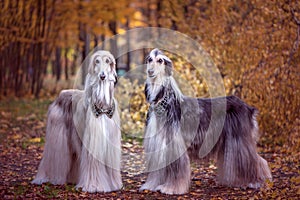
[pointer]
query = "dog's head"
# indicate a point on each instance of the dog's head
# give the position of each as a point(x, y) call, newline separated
point(159, 66)
point(101, 79)
point(103, 66)
point(159, 76)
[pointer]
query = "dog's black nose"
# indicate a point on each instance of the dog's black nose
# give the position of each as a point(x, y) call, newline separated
point(150, 72)
point(102, 76)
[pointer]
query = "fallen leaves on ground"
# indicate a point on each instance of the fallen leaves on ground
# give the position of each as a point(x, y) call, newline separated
point(21, 147)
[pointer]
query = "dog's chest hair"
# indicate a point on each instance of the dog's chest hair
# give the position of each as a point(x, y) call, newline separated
point(153, 90)
point(162, 145)
point(100, 134)
point(155, 136)
point(103, 92)
point(155, 131)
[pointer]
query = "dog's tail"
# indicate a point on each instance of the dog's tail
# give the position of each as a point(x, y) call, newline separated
point(239, 164)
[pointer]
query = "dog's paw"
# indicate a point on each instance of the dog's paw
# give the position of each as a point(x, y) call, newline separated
point(89, 189)
point(92, 188)
point(147, 186)
point(254, 185)
point(144, 187)
point(39, 181)
point(170, 189)
point(165, 189)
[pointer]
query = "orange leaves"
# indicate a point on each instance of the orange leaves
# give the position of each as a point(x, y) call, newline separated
point(21, 151)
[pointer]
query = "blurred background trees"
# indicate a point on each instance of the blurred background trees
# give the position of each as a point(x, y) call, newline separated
point(255, 44)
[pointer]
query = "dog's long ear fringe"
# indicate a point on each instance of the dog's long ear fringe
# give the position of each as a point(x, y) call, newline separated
point(146, 92)
point(91, 65)
point(146, 59)
point(114, 69)
point(169, 67)
point(116, 80)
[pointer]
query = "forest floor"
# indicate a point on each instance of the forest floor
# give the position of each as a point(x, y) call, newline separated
point(22, 132)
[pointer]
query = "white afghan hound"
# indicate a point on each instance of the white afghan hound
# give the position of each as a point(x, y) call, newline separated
point(178, 127)
point(83, 138)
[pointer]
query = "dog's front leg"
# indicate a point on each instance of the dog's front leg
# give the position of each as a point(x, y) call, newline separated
point(153, 180)
point(176, 176)
point(171, 179)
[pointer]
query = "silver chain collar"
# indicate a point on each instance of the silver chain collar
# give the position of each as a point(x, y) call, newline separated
point(161, 106)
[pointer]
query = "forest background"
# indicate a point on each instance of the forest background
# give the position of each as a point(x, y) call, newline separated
point(254, 44)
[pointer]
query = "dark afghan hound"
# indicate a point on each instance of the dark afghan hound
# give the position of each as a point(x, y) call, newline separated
point(177, 127)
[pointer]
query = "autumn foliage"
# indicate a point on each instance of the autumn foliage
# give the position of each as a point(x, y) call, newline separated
point(254, 44)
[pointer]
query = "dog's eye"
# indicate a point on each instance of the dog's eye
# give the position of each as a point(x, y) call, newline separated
point(107, 61)
point(97, 61)
point(150, 60)
point(160, 61)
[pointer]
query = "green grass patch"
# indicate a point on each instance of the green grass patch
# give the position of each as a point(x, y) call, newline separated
point(130, 138)
point(36, 108)
point(49, 191)
point(20, 190)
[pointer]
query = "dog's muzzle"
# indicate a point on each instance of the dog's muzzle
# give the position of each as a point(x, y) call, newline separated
point(151, 73)
point(102, 76)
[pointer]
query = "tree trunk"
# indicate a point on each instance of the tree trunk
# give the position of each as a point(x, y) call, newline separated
point(102, 41)
point(74, 62)
point(58, 63)
point(113, 43)
point(128, 47)
point(95, 41)
point(66, 64)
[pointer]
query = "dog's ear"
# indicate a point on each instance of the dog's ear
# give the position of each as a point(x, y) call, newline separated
point(112, 62)
point(116, 79)
point(114, 75)
point(147, 59)
point(147, 95)
point(94, 60)
point(113, 69)
point(169, 67)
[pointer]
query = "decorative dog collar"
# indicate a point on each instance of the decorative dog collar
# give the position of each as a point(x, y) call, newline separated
point(161, 106)
point(109, 112)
